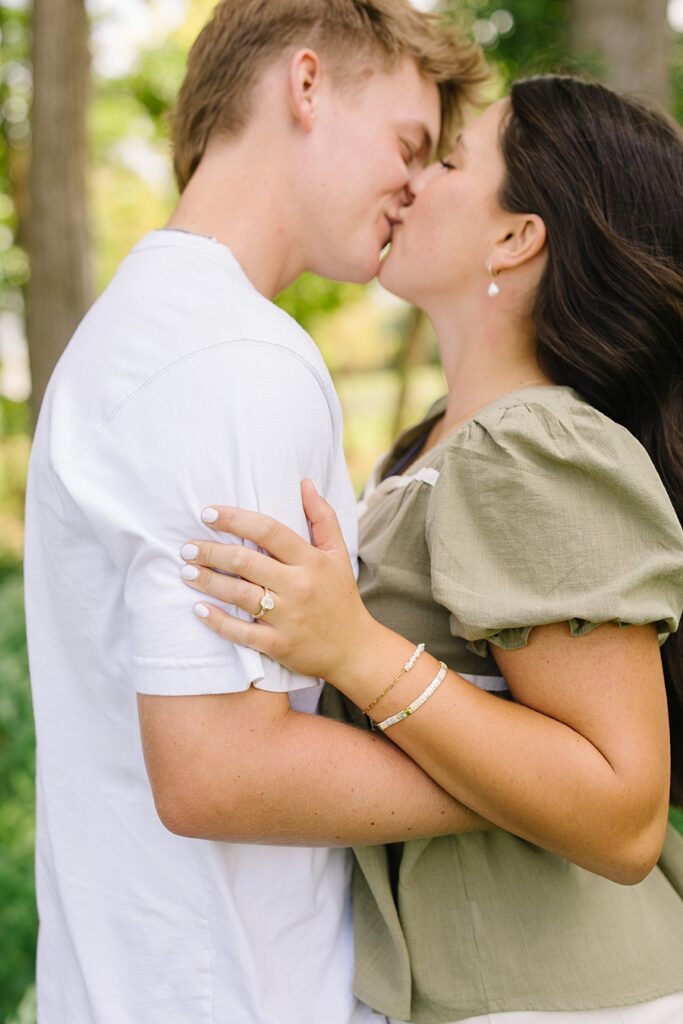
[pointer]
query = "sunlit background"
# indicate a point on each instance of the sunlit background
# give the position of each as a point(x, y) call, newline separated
point(381, 353)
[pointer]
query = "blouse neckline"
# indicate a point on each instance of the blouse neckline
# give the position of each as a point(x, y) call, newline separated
point(437, 411)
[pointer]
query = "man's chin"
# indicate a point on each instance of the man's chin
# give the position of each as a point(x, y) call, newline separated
point(363, 274)
point(359, 272)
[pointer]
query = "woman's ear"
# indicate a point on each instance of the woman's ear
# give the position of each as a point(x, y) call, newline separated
point(525, 239)
point(304, 82)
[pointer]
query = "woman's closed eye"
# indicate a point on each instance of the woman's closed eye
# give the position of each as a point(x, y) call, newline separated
point(448, 165)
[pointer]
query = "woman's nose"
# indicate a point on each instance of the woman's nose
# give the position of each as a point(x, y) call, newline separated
point(422, 177)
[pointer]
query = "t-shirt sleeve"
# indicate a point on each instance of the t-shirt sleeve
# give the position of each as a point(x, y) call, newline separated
point(242, 431)
point(540, 517)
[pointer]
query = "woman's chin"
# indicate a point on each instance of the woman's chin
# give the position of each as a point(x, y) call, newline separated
point(390, 280)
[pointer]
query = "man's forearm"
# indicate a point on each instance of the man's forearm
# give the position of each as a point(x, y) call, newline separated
point(302, 780)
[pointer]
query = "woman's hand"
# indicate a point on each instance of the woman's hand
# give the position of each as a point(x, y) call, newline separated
point(318, 621)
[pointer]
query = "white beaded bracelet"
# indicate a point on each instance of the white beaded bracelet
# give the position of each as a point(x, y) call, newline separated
point(408, 667)
point(418, 702)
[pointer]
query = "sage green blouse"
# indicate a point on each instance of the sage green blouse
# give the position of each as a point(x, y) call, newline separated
point(539, 509)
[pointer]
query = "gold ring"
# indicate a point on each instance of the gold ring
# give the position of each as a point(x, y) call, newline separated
point(266, 604)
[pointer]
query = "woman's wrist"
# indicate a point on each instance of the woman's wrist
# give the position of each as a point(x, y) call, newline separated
point(375, 658)
point(356, 657)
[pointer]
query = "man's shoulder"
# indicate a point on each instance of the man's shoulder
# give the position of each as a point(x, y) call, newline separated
point(176, 277)
point(154, 333)
point(265, 324)
point(173, 298)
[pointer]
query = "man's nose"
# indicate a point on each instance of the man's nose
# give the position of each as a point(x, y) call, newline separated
point(406, 195)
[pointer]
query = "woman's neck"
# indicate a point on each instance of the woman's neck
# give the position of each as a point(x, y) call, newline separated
point(484, 357)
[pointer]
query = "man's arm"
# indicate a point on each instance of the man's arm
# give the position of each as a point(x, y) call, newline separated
point(227, 758)
point(244, 767)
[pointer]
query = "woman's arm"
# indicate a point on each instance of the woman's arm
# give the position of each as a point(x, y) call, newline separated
point(579, 765)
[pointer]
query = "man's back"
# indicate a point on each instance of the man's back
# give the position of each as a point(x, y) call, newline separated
point(182, 386)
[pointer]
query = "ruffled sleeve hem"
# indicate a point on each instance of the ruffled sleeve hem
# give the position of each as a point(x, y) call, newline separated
point(516, 637)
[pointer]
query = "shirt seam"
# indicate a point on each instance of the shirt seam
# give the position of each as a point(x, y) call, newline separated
point(92, 440)
point(221, 260)
point(166, 663)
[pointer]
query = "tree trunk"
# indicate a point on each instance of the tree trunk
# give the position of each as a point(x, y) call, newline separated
point(61, 287)
point(632, 43)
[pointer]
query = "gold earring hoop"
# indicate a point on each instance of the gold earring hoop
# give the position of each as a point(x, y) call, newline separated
point(493, 288)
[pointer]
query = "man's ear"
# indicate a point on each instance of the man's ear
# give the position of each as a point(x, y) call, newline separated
point(305, 73)
point(525, 238)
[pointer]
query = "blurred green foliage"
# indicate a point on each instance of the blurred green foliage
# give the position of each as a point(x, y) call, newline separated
point(312, 297)
point(520, 37)
point(17, 908)
point(15, 100)
point(15, 418)
point(678, 78)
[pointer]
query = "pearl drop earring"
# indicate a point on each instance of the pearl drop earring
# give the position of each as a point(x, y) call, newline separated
point(493, 288)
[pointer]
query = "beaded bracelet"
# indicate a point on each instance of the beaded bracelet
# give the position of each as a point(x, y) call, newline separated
point(410, 664)
point(417, 704)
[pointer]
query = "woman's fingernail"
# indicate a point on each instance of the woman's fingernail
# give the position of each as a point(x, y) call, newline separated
point(189, 552)
point(189, 572)
point(202, 611)
point(210, 515)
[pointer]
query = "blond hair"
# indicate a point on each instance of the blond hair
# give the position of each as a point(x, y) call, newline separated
point(244, 36)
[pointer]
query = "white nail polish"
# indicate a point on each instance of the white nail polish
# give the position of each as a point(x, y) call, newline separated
point(210, 515)
point(189, 572)
point(202, 611)
point(189, 552)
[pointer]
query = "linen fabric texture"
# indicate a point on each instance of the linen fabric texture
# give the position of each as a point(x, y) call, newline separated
point(537, 510)
point(182, 387)
point(667, 1010)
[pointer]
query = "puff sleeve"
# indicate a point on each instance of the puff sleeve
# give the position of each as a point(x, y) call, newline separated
point(546, 514)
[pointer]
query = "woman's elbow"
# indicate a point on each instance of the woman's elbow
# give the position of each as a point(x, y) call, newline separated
point(637, 853)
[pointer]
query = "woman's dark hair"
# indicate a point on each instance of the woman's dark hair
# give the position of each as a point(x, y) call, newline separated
point(606, 176)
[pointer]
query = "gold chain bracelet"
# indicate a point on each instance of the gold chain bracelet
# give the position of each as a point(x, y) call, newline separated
point(410, 664)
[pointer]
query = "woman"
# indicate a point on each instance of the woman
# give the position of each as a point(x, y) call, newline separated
point(528, 533)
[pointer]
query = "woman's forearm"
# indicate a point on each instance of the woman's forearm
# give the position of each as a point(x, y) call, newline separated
point(521, 769)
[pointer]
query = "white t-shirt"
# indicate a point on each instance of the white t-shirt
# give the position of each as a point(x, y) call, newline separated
point(181, 388)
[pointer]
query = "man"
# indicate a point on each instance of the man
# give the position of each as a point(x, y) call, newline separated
point(298, 128)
